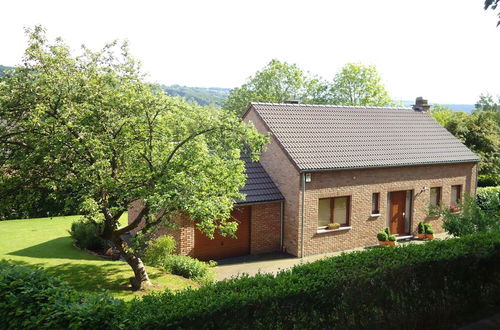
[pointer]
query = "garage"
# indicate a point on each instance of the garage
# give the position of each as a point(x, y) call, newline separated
point(224, 247)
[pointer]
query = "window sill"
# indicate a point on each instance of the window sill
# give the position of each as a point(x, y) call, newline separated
point(373, 215)
point(325, 230)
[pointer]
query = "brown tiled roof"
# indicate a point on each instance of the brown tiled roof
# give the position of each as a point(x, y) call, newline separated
point(321, 137)
point(259, 187)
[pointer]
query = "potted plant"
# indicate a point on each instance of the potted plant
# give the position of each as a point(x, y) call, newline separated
point(333, 225)
point(429, 233)
point(391, 240)
point(454, 208)
point(382, 238)
point(421, 231)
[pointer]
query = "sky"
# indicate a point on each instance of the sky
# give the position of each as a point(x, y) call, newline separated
point(445, 51)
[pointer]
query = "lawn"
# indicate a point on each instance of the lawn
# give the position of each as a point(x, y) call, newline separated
point(46, 243)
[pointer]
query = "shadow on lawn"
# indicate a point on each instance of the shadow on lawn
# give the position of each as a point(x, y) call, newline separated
point(59, 248)
point(85, 277)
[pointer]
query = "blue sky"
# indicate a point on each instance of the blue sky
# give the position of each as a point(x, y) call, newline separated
point(443, 50)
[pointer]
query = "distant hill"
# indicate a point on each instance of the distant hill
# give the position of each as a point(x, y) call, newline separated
point(4, 68)
point(455, 107)
point(201, 95)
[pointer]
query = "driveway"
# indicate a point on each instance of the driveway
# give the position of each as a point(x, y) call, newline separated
point(274, 262)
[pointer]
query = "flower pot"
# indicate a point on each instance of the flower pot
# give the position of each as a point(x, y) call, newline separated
point(382, 242)
point(390, 243)
point(430, 237)
point(333, 227)
point(421, 236)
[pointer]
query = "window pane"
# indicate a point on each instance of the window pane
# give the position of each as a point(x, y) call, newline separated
point(435, 195)
point(340, 210)
point(324, 212)
point(455, 195)
point(375, 203)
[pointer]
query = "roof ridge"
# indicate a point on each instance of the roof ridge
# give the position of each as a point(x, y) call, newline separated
point(331, 106)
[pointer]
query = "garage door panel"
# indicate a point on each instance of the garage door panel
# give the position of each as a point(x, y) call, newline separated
point(223, 247)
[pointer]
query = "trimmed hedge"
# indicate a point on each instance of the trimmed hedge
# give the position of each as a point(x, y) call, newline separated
point(440, 284)
point(31, 299)
point(435, 285)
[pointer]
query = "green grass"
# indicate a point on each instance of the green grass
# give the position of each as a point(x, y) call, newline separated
point(46, 243)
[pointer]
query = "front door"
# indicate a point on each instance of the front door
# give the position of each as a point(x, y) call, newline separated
point(398, 207)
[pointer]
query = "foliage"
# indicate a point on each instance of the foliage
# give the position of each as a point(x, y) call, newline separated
point(421, 228)
point(488, 180)
point(353, 291)
point(387, 231)
point(488, 199)
point(480, 132)
point(158, 249)
point(428, 228)
point(382, 236)
point(276, 82)
point(86, 234)
point(472, 219)
point(358, 84)
point(90, 124)
point(434, 211)
point(32, 299)
point(188, 267)
point(200, 95)
point(391, 238)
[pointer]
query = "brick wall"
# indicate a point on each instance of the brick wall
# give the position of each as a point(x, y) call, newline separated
point(287, 179)
point(264, 231)
point(265, 228)
point(360, 184)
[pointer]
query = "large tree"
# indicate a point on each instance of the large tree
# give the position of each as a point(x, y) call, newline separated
point(276, 82)
point(358, 84)
point(91, 125)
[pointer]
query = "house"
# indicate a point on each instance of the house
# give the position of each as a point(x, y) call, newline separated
point(365, 168)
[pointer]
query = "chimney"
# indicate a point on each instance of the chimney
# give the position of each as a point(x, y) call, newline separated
point(421, 104)
point(291, 101)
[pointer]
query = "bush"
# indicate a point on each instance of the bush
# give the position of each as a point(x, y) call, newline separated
point(421, 228)
point(387, 231)
point(428, 228)
point(188, 267)
point(32, 299)
point(473, 219)
point(86, 234)
point(392, 238)
point(358, 290)
point(488, 199)
point(158, 249)
point(488, 180)
point(382, 236)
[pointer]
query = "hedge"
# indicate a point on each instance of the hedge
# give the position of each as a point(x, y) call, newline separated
point(31, 299)
point(437, 285)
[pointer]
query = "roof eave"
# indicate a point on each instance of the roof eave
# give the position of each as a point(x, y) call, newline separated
point(385, 166)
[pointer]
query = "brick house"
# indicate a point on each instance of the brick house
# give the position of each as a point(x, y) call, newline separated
point(366, 168)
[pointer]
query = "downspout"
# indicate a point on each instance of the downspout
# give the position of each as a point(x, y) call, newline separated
point(477, 179)
point(302, 215)
point(282, 227)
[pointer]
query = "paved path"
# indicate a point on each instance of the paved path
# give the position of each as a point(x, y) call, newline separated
point(274, 262)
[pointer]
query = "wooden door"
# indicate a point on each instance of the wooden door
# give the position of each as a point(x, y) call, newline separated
point(398, 207)
point(224, 247)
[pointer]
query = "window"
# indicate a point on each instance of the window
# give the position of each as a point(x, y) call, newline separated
point(333, 210)
point(375, 203)
point(456, 193)
point(435, 196)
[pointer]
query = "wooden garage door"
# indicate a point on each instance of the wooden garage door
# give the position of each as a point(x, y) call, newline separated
point(223, 247)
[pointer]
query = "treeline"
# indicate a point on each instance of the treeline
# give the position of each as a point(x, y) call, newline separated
point(203, 96)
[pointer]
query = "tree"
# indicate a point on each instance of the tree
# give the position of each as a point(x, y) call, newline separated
point(493, 5)
point(276, 82)
point(358, 84)
point(488, 104)
point(92, 125)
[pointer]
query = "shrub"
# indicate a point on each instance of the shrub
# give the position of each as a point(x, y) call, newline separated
point(488, 199)
point(32, 299)
point(472, 219)
point(387, 231)
point(158, 249)
point(86, 234)
point(382, 236)
point(428, 228)
point(421, 228)
point(488, 180)
point(353, 291)
point(188, 267)
point(392, 238)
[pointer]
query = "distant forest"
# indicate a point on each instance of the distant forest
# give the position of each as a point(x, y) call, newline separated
point(217, 95)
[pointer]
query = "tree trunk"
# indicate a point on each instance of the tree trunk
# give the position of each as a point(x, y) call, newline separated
point(141, 279)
